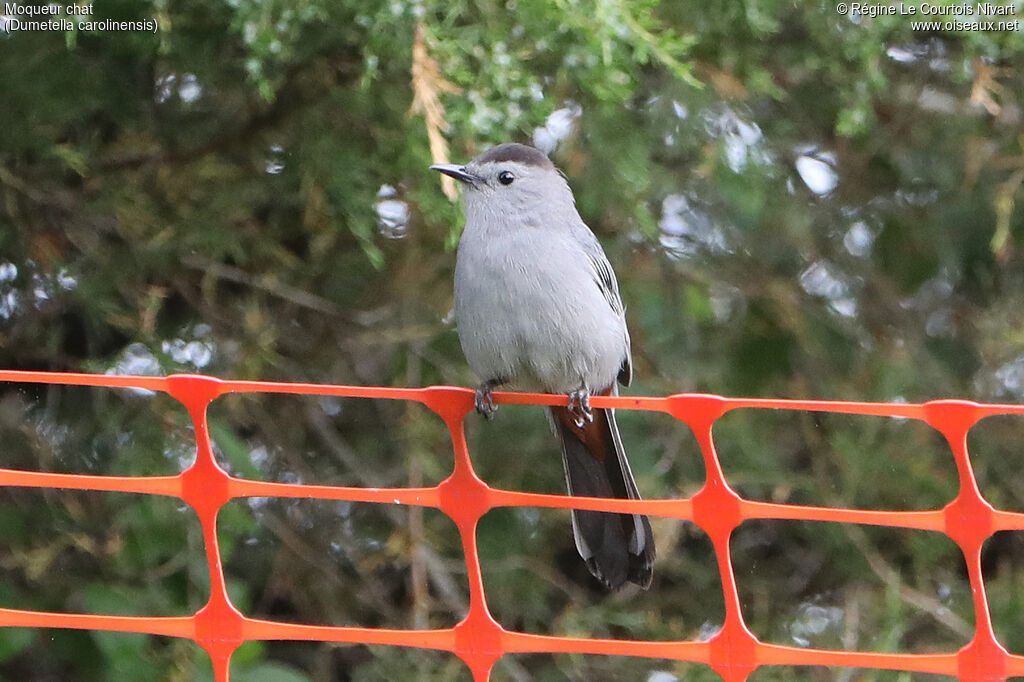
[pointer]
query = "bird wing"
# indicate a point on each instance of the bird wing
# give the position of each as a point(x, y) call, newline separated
point(604, 276)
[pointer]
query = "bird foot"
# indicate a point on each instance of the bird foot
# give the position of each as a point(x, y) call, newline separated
point(579, 406)
point(484, 400)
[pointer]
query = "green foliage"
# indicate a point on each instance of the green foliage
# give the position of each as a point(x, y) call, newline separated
point(798, 203)
point(14, 641)
point(268, 672)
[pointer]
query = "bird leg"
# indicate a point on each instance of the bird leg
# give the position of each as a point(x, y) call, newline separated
point(484, 401)
point(579, 406)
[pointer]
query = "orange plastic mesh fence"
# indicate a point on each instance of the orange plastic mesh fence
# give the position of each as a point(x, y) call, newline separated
point(734, 652)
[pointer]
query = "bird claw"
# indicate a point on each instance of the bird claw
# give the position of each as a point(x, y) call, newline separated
point(484, 400)
point(579, 407)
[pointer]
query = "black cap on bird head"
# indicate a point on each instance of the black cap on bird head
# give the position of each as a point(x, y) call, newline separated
point(518, 153)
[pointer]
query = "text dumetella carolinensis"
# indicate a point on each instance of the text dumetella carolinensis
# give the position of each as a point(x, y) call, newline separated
point(538, 308)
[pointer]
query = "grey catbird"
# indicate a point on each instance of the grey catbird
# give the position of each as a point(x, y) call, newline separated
point(538, 308)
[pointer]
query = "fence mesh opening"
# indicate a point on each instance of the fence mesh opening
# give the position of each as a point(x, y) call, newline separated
point(975, 516)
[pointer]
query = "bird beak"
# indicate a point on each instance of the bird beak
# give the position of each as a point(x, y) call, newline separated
point(453, 170)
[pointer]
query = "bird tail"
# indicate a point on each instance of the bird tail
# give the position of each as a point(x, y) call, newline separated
point(616, 547)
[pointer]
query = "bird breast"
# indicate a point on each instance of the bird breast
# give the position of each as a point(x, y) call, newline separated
point(530, 311)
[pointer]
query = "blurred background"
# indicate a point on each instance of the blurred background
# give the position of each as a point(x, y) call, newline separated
point(798, 203)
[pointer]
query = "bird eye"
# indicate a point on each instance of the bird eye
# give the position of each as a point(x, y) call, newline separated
point(506, 177)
